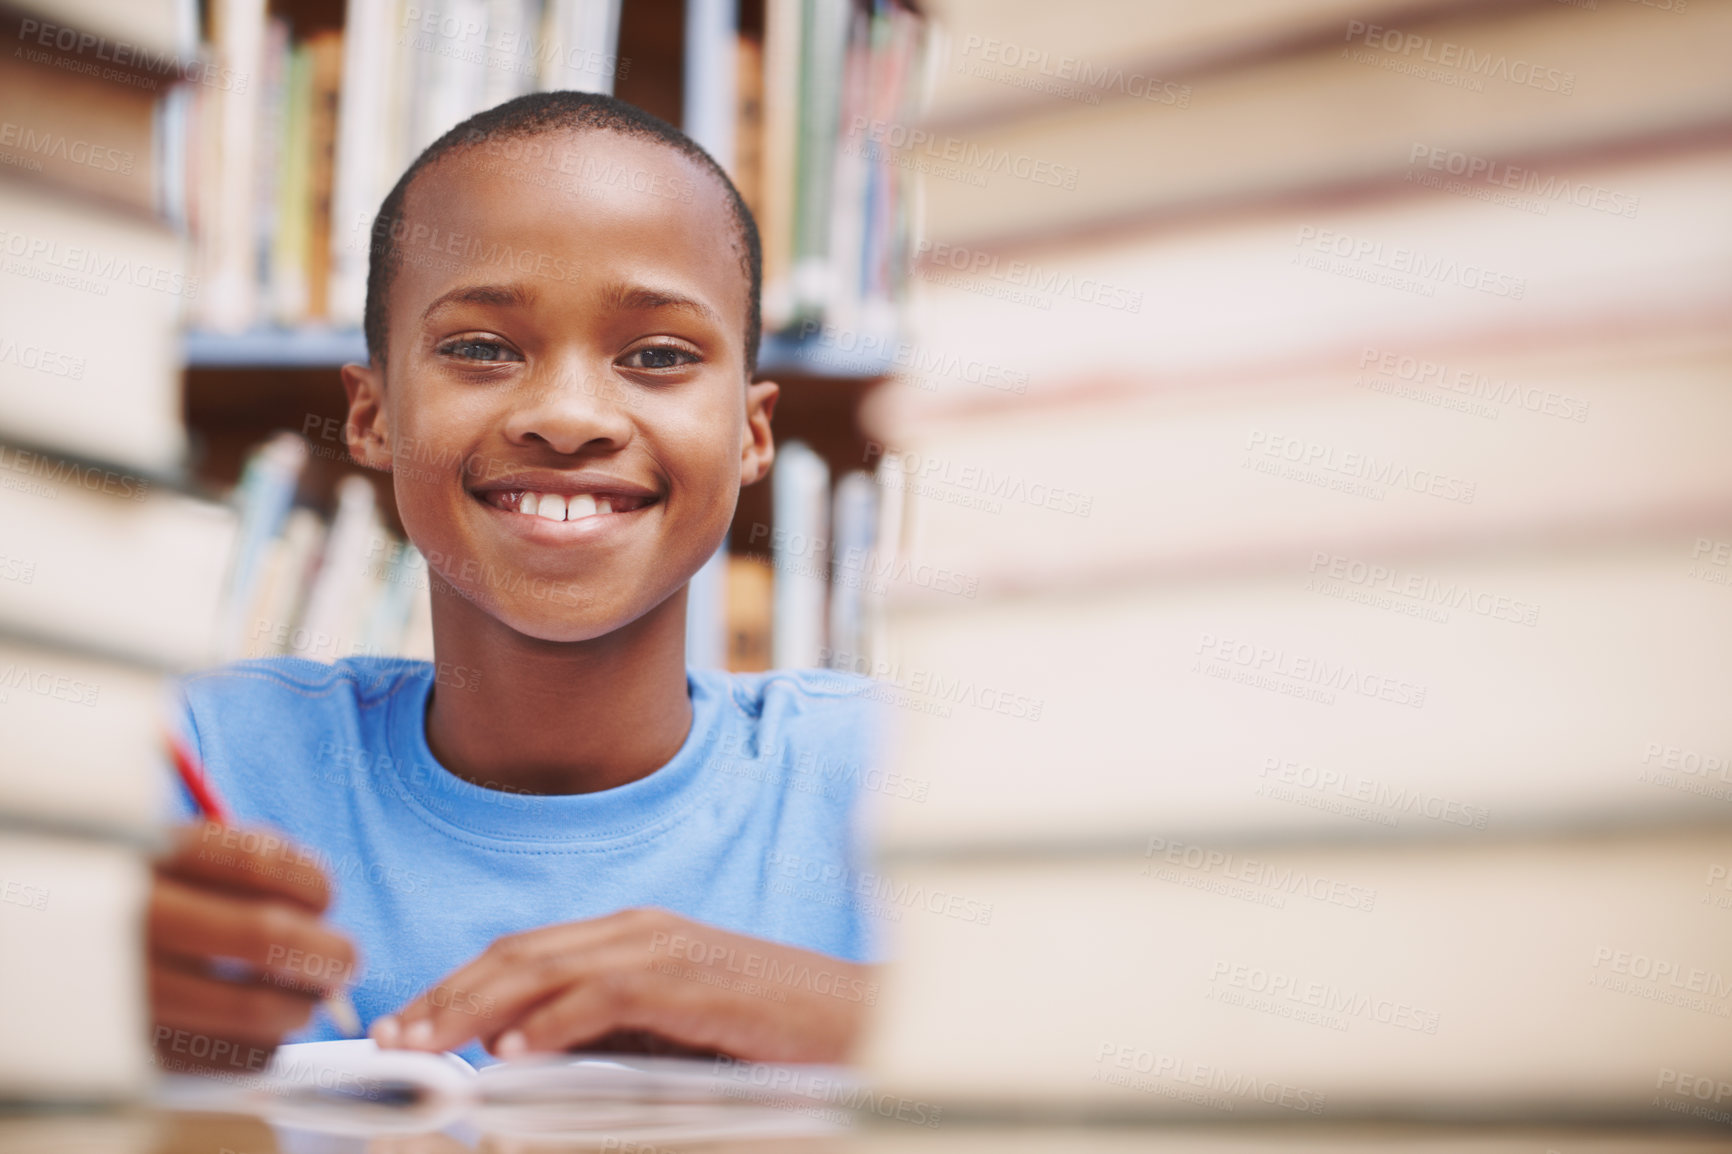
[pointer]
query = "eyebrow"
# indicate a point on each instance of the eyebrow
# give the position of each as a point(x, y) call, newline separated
point(517, 295)
point(647, 299)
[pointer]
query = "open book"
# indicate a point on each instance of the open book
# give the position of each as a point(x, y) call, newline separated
point(355, 1087)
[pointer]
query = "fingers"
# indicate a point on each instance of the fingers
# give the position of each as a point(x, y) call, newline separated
point(644, 971)
point(211, 1025)
point(193, 925)
point(244, 896)
point(585, 1011)
point(611, 1000)
point(473, 1001)
point(254, 1012)
point(482, 998)
point(252, 861)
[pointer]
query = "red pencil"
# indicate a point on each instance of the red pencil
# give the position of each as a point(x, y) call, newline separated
point(192, 775)
point(204, 795)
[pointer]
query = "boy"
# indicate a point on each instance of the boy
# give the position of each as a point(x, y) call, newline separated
point(556, 836)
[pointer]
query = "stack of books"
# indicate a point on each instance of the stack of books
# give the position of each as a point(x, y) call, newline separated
point(1336, 454)
point(110, 565)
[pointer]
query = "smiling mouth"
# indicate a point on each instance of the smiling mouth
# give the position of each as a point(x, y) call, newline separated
point(563, 506)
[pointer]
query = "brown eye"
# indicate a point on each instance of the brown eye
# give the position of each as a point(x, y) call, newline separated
point(477, 349)
point(659, 357)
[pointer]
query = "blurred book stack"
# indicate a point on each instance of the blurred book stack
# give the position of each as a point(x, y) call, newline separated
point(110, 566)
point(118, 570)
point(1333, 435)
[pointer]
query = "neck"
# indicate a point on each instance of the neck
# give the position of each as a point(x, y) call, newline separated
point(545, 717)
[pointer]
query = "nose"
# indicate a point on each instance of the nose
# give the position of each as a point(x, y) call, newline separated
point(569, 409)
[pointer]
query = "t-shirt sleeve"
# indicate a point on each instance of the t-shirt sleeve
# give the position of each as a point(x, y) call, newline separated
point(867, 945)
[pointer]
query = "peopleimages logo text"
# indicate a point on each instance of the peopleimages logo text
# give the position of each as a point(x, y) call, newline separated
point(1449, 54)
point(1075, 70)
point(958, 150)
point(1028, 275)
point(127, 55)
point(1400, 259)
point(1360, 466)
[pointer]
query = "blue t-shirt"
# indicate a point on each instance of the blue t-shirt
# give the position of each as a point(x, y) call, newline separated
point(428, 869)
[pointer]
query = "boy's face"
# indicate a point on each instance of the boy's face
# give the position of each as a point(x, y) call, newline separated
point(577, 350)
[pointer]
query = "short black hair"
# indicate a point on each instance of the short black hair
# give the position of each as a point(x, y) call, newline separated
point(539, 114)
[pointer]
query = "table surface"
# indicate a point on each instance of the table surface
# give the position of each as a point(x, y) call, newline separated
point(148, 1132)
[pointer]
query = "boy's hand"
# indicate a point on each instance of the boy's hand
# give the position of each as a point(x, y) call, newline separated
point(613, 980)
point(251, 899)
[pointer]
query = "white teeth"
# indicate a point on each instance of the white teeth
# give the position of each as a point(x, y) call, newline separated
point(558, 507)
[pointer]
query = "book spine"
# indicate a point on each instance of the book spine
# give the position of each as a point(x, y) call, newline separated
point(800, 485)
point(853, 580)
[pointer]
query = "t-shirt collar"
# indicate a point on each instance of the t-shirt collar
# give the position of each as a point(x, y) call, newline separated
point(575, 822)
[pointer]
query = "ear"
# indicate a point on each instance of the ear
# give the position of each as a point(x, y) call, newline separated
point(757, 443)
point(368, 429)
